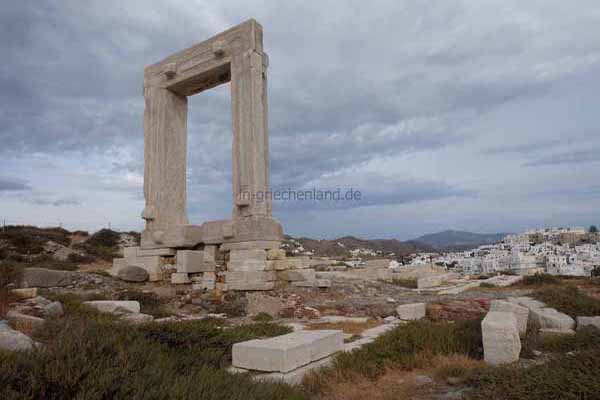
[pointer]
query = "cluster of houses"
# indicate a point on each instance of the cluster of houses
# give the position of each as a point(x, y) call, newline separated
point(556, 251)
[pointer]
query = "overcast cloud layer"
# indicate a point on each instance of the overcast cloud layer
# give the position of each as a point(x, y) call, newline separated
point(475, 115)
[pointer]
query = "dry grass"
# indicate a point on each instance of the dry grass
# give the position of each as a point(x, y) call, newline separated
point(6, 298)
point(353, 328)
point(456, 366)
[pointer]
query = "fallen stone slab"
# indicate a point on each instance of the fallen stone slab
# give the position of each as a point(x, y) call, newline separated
point(588, 321)
point(461, 288)
point(556, 332)
point(13, 340)
point(136, 318)
point(287, 352)
point(528, 302)
point(24, 322)
point(549, 318)
point(294, 377)
point(318, 283)
point(45, 278)
point(521, 313)
point(132, 273)
point(114, 306)
point(334, 319)
point(501, 342)
point(25, 293)
point(411, 312)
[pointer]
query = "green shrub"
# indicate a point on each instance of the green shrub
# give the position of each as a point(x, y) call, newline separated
point(262, 317)
point(575, 376)
point(150, 303)
point(95, 359)
point(486, 285)
point(569, 300)
point(9, 273)
point(541, 279)
point(409, 346)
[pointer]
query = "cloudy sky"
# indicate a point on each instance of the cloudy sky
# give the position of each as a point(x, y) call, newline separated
point(477, 115)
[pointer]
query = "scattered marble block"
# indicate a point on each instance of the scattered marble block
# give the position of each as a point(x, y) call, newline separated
point(549, 318)
point(521, 313)
point(501, 342)
point(114, 306)
point(588, 321)
point(244, 255)
point(248, 265)
point(411, 312)
point(556, 332)
point(24, 322)
point(180, 278)
point(287, 352)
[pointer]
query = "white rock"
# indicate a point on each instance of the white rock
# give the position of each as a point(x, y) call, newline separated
point(114, 306)
point(26, 293)
point(412, 312)
point(549, 318)
point(521, 313)
point(54, 309)
point(13, 340)
point(287, 352)
point(588, 321)
point(501, 342)
point(137, 318)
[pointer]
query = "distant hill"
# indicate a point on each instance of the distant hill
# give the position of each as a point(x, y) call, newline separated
point(459, 240)
point(341, 247)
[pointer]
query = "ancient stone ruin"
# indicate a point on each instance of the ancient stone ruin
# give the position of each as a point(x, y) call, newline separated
point(245, 249)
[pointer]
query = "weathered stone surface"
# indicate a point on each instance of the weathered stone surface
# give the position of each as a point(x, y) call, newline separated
point(114, 306)
point(556, 332)
point(193, 261)
point(40, 301)
point(24, 322)
point(297, 275)
point(54, 309)
point(287, 352)
point(247, 266)
point(262, 303)
point(249, 276)
point(521, 313)
point(131, 273)
point(298, 262)
point(118, 263)
point(136, 318)
point(549, 318)
point(13, 340)
point(156, 252)
point(414, 311)
point(241, 285)
point(180, 278)
point(588, 321)
point(25, 293)
point(318, 283)
point(526, 302)
point(131, 252)
point(45, 278)
point(501, 342)
point(243, 255)
point(276, 254)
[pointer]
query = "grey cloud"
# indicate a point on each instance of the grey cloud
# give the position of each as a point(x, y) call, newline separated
point(8, 185)
point(568, 157)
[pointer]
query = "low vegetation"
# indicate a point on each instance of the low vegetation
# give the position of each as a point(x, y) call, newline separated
point(568, 299)
point(94, 357)
point(407, 283)
point(541, 279)
point(410, 346)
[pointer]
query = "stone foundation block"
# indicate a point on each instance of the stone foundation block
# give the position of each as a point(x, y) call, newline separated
point(180, 278)
point(411, 312)
point(297, 275)
point(156, 252)
point(243, 255)
point(247, 265)
point(501, 342)
point(242, 286)
point(114, 306)
point(521, 313)
point(287, 352)
point(298, 262)
point(193, 261)
point(249, 276)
